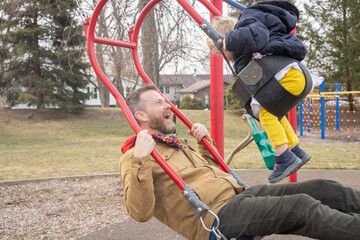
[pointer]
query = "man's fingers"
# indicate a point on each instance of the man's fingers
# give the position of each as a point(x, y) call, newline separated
point(144, 144)
point(198, 131)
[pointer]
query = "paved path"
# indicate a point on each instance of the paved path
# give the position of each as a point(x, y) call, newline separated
point(154, 230)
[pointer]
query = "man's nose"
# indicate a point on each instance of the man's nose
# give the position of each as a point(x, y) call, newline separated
point(167, 105)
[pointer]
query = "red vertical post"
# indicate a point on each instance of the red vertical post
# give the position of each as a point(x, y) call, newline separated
point(217, 94)
point(293, 122)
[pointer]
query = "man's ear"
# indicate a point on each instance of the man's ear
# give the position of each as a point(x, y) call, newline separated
point(141, 116)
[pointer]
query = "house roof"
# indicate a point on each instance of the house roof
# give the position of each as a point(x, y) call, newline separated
point(196, 86)
point(203, 84)
point(185, 80)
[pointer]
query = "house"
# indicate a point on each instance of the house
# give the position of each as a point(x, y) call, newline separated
point(201, 89)
point(170, 85)
point(94, 100)
point(174, 87)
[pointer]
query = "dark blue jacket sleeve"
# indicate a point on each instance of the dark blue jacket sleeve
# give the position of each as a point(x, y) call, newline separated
point(288, 45)
point(250, 38)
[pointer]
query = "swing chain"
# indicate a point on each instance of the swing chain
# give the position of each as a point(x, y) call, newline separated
point(214, 229)
point(153, 56)
point(153, 48)
point(81, 11)
point(218, 234)
point(123, 17)
point(177, 45)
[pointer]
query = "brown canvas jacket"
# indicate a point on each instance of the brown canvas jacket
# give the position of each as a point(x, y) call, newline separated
point(150, 192)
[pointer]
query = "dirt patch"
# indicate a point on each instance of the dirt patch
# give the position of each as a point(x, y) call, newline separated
point(331, 137)
point(60, 209)
point(93, 208)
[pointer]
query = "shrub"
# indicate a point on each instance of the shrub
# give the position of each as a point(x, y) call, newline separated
point(188, 102)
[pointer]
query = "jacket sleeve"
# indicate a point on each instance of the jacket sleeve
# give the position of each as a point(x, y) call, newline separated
point(250, 37)
point(206, 154)
point(136, 177)
point(288, 45)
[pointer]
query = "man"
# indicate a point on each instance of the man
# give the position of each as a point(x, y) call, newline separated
point(319, 209)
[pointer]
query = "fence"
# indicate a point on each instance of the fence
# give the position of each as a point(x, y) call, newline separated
point(329, 111)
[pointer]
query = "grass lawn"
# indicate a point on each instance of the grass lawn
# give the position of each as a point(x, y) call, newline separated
point(50, 143)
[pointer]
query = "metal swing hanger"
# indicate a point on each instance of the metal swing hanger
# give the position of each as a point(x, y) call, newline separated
point(89, 28)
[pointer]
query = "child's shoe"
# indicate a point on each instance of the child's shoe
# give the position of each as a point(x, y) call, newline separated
point(285, 164)
point(304, 156)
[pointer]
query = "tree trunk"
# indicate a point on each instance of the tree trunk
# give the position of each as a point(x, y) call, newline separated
point(351, 99)
point(36, 62)
point(103, 91)
point(2, 101)
point(149, 43)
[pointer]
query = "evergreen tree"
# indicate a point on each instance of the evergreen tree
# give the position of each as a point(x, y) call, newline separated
point(331, 33)
point(231, 102)
point(41, 50)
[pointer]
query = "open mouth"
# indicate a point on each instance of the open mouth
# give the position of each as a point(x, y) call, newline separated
point(167, 116)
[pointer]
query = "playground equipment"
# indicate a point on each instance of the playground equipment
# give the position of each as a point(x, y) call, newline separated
point(322, 112)
point(89, 28)
point(260, 138)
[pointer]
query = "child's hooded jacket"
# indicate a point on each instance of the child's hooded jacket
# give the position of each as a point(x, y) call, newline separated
point(265, 28)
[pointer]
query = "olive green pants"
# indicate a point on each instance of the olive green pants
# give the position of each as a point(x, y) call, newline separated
point(320, 209)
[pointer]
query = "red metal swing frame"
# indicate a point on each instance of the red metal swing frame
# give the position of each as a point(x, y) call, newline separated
point(89, 29)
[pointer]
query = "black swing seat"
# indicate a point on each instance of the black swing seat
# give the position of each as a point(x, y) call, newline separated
point(257, 80)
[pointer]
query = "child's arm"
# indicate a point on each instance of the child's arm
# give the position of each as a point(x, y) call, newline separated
point(249, 38)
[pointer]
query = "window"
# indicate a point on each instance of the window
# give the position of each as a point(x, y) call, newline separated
point(207, 99)
point(162, 89)
point(167, 89)
point(95, 93)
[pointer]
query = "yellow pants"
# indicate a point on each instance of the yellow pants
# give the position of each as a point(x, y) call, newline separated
point(281, 132)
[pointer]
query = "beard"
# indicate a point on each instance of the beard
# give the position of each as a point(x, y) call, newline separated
point(162, 125)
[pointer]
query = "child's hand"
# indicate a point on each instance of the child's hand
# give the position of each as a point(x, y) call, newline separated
point(229, 55)
point(224, 45)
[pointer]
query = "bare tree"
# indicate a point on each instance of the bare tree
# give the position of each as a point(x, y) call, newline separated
point(114, 61)
point(178, 37)
point(103, 92)
point(168, 35)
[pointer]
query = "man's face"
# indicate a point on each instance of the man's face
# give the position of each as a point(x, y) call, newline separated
point(158, 112)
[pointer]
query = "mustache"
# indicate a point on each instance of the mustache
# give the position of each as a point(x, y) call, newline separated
point(168, 113)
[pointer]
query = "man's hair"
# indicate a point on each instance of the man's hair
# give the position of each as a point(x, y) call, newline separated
point(222, 24)
point(133, 99)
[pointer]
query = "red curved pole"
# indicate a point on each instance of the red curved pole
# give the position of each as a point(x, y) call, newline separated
point(213, 10)
point(129, 116)
point(89, 29)
point(134, 38)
